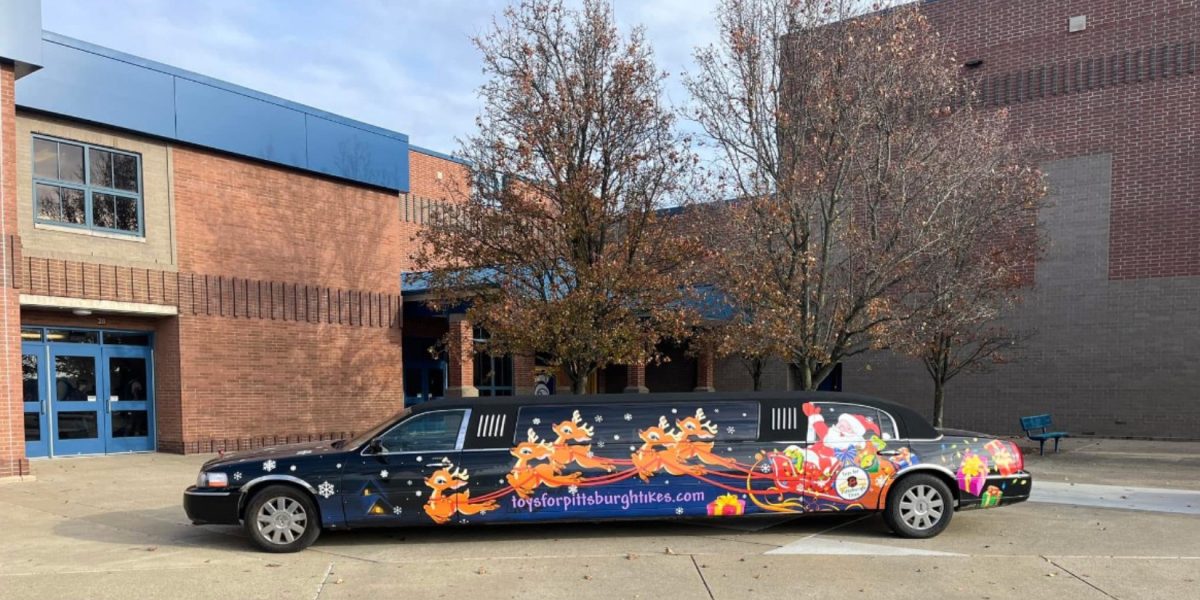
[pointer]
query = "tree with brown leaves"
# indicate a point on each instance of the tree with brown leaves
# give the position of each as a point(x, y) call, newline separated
point(851, 141)
point(560, 247)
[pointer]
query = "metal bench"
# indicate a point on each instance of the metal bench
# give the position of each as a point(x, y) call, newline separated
point(1038, 428)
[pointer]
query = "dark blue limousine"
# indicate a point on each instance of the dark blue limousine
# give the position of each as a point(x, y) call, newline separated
point(538, 458)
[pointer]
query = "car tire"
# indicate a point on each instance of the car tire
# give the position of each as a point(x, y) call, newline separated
point(919, 506)
point(281, 518)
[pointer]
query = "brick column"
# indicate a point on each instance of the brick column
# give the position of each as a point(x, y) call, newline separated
point(706, 371)
point(635, 379)
point(523, 374)
point(13, 463)
point(461, 350)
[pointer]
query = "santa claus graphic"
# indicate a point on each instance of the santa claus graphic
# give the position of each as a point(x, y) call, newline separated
point(831, 446)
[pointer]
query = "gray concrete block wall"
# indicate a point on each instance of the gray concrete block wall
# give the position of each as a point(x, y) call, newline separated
point(1113, 358)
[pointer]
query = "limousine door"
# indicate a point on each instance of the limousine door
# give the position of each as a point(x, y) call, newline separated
point(400, 481)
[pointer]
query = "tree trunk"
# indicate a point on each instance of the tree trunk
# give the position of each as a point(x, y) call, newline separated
point(755, 366)
point(806, 376)
point(579, 384)
point(939, 401)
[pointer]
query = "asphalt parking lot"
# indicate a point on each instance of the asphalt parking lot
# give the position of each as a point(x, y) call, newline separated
point(113, 527)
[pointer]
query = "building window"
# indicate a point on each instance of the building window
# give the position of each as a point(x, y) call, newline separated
point(85, 186)
point(493, 373)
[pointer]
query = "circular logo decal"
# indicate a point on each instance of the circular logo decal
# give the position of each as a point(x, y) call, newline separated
point(852, 483)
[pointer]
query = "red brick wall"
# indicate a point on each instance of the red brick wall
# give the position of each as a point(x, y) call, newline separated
point(12, 431)
point(1126, 85)
point(423, 172)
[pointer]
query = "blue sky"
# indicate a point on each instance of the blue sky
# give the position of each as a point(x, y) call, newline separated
point(407, 65)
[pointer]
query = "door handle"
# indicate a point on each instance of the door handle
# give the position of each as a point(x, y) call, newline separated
point(441, 464)
point(889, 452)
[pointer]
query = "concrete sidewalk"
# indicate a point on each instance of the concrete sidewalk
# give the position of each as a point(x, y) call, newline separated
point(112, 527)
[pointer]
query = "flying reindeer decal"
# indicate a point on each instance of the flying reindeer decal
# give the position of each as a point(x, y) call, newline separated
point(440, 507)
point(700, 427)
point(524, 478)
point(565, 453)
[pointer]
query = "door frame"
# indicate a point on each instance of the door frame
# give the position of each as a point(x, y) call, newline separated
point(49, 446)
point(96, 445)
point(114, 445)
point(42, 447)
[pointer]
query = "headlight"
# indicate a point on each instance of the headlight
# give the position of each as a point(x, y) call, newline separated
point(215, 480)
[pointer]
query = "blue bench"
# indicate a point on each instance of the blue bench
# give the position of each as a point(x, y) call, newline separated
point(1038, 428)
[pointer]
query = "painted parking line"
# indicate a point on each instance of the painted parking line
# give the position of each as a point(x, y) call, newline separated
point(836, 547)
point(1118, 496)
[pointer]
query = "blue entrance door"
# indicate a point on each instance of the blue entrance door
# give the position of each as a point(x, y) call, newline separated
point(128, 388)
point(78, 415)
point(34, 382)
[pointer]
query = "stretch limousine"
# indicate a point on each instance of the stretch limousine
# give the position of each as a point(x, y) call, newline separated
point(540, 458)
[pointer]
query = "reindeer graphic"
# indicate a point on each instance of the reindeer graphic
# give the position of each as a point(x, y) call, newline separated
point(700, 427)
point(565, 453)
point(524, 478)
point(440, 507)
point(649, 461)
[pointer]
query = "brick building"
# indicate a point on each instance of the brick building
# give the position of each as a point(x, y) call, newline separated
point(188, 264)
point(1111, 87)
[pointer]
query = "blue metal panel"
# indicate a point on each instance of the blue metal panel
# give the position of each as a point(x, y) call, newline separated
point(350, 152)
point(221, 119)
point(95, 88)
point(93, 83)
point(21, 34)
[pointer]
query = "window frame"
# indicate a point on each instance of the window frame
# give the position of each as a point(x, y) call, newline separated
point(480, 339)
point(88, 189)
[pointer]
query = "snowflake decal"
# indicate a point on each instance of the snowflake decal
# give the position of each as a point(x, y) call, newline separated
point(409, 482)
point(292, 468)
point(537, 421)
point(729, 449)
point(674, 411)
point(631, 448)
point(325, 489)
point(628, 417)
point(237, 476)
point(269, 466)
point(730, 430)
point(616, 437)
point(383, 473)
point(765, 468)
point(396, 510)
point(743, 414)
point(716, 411)
point(600, 444)
point(420, 459)
point(679, 510)
point(598, 418)
point(573, 490)
point(339, 465)
point(418, 493)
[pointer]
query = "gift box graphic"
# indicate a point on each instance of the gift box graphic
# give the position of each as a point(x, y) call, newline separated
point(972, 473)
point(991, 497)
point(1003, 460)
point(728, 505)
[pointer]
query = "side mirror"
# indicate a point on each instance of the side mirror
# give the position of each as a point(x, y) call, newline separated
point(376, 446)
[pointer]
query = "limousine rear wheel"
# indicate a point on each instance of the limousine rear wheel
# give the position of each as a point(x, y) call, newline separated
point(281, 518)
point(919, 506)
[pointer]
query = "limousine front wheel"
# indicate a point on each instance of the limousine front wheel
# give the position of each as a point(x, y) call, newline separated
point(919, 506)
point(280, 518)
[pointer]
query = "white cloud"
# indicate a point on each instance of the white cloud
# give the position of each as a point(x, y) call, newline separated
point(407, 66)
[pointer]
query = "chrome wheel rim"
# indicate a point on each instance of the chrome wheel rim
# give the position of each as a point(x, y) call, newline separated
point(921, 507)
point(281, 520)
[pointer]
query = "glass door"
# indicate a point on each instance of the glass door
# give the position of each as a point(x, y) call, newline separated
point(33, 382)
point(127, 396)
point(78, 416)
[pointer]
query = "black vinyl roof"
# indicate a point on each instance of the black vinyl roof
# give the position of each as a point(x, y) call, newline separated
point(911, 424)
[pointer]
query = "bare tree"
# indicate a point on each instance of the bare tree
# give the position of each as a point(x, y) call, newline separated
point(560, 246)
point(850, 137)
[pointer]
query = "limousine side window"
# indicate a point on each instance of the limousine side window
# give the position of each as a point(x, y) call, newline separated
point(853, 421)
point(427, 432)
